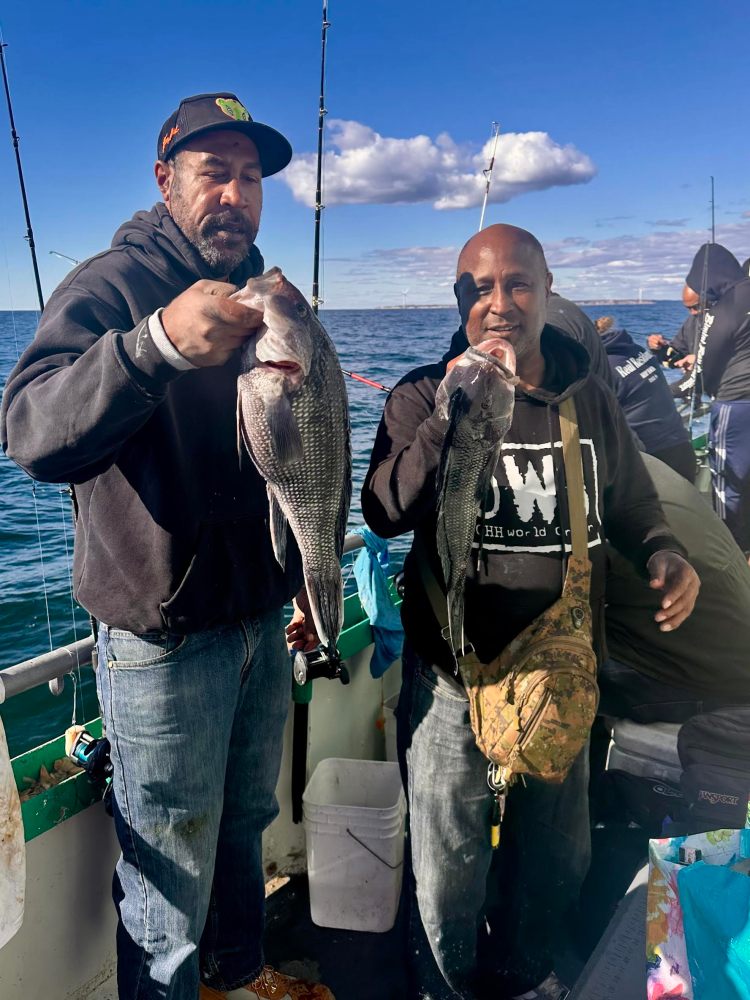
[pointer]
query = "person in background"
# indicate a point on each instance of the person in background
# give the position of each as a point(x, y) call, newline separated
point(680, 351)
point(570, 319)
point(129, 392)
point(654, 676)
point(723, 361)
point(504, 947)
point(645, 397)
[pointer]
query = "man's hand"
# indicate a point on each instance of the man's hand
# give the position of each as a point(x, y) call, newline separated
point(495, 346)
point(655, 341)
point(206, 326)
point(686, 363)
point(680, 583)
point(300, 632)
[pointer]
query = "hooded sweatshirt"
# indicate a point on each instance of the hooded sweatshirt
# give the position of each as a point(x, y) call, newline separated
point(171, 532)
point(724, 346)
point(566, 316)
point(643, 393)
point(525, 513)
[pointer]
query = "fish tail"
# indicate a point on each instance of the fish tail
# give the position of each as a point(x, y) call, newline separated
point(325, 591)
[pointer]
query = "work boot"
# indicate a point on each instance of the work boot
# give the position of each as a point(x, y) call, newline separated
point(271, 985)
point(550, 989)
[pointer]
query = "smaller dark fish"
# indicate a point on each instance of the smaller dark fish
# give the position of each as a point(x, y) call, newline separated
point(476, 397)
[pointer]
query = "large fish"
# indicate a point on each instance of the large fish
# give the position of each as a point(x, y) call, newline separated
point(293, 418)
point(476, 397)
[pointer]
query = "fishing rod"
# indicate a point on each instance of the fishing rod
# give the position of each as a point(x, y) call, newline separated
point(56, 253)
point(316, 300)
point(14, 136)
point(367, 381)
point(488, 172)
point(713, 221)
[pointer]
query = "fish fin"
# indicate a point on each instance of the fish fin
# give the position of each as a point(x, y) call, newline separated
point(446, 472)
point(286, 440)
point(278, 524)
point(325, 591)
point(346, 499)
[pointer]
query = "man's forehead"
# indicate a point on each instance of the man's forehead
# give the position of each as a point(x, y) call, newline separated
point(505, 258)
point(221, 143)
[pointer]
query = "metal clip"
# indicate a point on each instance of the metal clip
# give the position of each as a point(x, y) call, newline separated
point(578, 616)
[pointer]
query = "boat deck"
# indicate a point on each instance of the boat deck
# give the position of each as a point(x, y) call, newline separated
point(362, 966)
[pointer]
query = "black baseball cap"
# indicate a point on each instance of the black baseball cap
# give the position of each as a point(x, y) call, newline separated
point(205, 112)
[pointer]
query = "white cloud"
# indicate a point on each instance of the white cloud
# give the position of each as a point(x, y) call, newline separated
point(615, 267)
point(363, 167)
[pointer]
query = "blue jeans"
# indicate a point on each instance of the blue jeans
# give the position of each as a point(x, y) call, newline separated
point(491, 918)
point(195, 723)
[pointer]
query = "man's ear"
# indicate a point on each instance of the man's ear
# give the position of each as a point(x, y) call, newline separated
point(548, 283)
point(164, 173)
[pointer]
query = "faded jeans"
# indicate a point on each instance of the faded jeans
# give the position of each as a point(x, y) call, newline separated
point(492, 918)
point(195, 723)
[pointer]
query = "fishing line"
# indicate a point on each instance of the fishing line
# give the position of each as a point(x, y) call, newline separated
point(33, 484)
point(76, 682)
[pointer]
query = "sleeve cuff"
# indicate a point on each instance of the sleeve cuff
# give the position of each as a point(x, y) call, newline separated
point(165, 346)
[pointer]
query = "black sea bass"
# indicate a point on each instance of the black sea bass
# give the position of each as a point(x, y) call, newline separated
point(293, 417)
point(476, 397)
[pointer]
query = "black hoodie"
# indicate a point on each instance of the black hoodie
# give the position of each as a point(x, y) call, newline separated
point(643, 393)
point(724, 346)
point(521, 565)
point(171, 532)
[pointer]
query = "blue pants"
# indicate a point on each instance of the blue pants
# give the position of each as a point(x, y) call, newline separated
point(195, 723)
point(491, 918)
point(729, 457)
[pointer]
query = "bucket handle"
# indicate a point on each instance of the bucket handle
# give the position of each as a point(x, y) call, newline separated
point(363, 844)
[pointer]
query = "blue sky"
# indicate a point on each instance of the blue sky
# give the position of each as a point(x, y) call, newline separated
point(613, 115)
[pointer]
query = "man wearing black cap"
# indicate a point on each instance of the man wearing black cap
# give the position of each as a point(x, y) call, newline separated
point(128, 391)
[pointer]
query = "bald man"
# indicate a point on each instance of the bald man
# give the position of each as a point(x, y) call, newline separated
point(519, 896)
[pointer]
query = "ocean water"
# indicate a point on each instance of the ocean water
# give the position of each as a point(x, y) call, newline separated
point(37, 612)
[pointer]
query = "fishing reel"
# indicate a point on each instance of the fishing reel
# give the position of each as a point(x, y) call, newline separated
point(321, 662)
point(90, 753)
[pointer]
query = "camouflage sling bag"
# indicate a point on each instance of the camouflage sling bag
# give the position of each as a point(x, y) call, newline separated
point(533, 706)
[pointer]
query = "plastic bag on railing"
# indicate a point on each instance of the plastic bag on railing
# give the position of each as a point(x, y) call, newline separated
point(370, 572)
point(671, 955)
point(12, 849)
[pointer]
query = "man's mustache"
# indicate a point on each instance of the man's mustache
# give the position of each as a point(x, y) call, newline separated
point(226, 220)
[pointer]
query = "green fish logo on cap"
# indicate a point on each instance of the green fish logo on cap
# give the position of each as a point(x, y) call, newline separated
point(233, 109)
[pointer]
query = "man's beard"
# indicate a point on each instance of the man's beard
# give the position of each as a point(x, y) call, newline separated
point(220, 259)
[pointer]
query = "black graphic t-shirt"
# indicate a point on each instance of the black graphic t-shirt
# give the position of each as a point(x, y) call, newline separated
point(517, 571)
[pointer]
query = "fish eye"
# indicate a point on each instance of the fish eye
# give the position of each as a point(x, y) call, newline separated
point(301, 308)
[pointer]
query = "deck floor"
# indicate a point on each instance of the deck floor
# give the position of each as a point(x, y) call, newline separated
point(362, 966)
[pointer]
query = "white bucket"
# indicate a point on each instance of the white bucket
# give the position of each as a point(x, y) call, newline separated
point(354, 824)
point(389, 718)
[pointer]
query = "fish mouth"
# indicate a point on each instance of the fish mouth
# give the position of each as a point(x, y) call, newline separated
point(501, 351)
point(287, 367)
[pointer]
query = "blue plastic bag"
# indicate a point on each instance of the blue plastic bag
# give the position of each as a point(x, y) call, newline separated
point(716, 917)
point(370, 572)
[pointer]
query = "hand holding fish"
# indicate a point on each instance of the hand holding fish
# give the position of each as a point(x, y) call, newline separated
point(300, 632)
point(497, 348)
point(679, 581)
point(206, 325)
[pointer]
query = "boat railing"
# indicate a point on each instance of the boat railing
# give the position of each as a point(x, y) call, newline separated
point(49, 668)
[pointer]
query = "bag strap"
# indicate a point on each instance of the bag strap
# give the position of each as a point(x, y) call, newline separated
point(571, 446)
